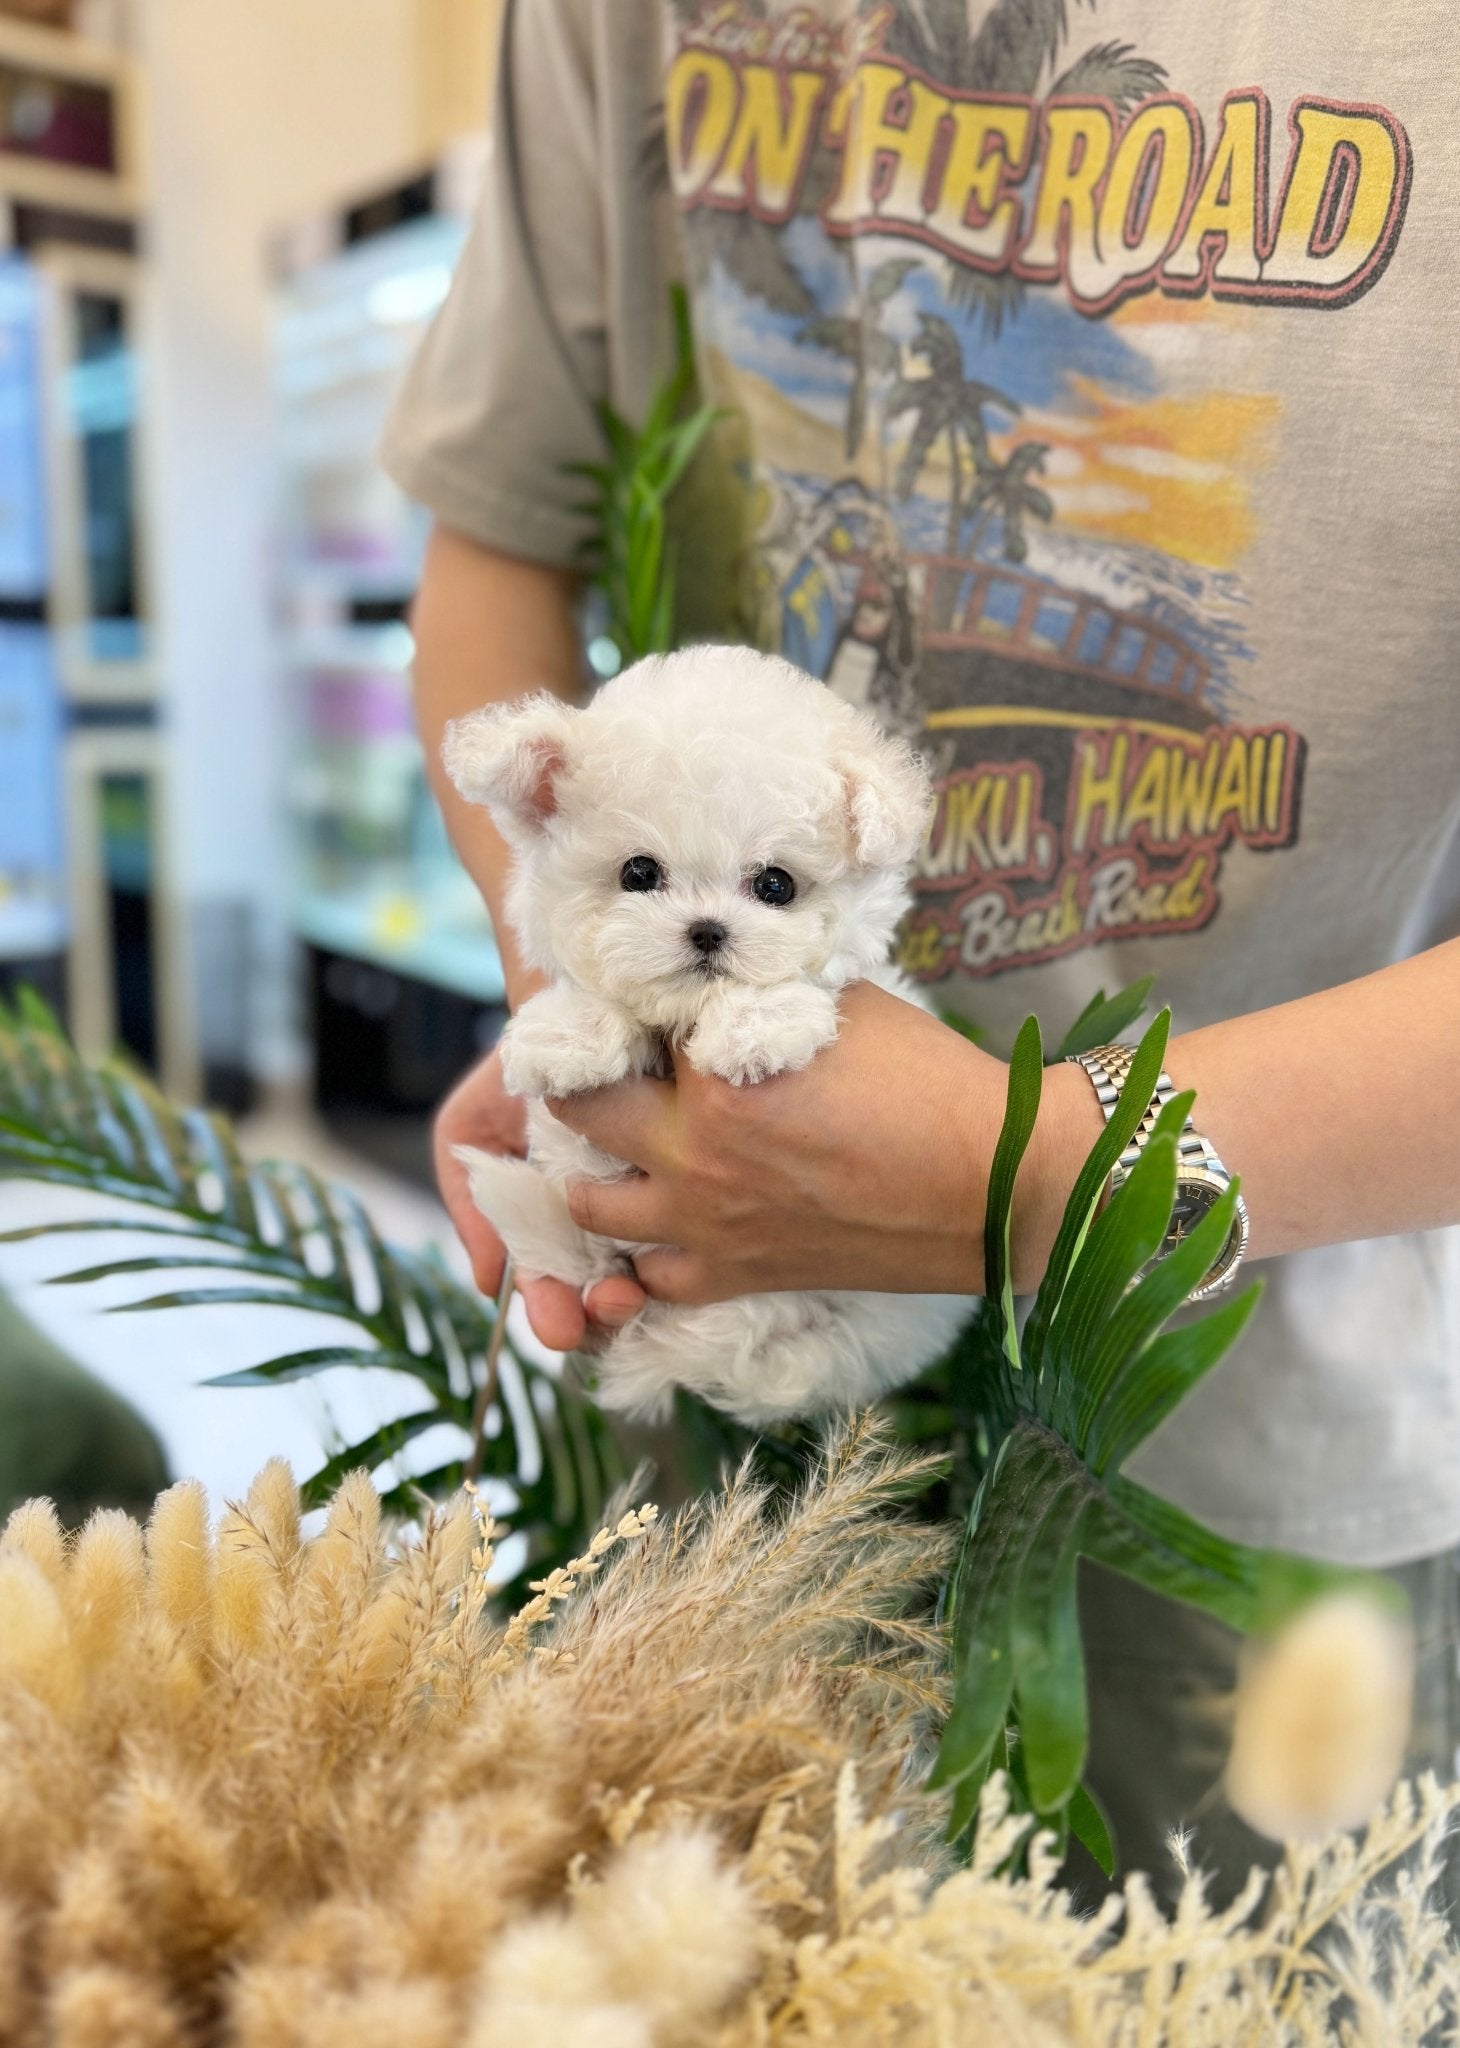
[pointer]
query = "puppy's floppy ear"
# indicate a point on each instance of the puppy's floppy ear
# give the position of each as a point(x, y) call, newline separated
point(509, 757)
point(888, 797)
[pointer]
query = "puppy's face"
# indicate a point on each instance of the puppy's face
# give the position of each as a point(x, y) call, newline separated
point(714, 869)
point(712, 816)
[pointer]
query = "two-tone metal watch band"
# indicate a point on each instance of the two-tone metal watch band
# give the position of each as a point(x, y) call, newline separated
point(1201, 1178)
point(1108, 1067)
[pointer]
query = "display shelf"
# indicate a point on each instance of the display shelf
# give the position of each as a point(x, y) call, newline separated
point(391, 929)
point(31, 927)
point(376, 881)
point(350, 649)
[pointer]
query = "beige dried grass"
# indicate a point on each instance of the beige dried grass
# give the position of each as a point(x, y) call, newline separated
point(263, 1791)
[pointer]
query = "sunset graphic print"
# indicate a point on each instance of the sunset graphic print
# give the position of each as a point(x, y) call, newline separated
point(963, 283)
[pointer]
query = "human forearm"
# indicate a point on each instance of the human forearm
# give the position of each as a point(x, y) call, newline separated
point(488, 628)
point(867, 1169)
point(1341, 1111)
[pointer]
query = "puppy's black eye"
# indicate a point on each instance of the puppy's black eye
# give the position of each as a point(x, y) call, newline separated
point(640, 872)
point(774, 886)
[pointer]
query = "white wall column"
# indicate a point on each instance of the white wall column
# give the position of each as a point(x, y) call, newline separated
point(256, 114)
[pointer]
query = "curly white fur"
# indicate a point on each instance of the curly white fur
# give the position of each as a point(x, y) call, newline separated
point(715, 764)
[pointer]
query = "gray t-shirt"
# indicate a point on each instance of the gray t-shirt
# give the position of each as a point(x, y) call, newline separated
point(1094, 415)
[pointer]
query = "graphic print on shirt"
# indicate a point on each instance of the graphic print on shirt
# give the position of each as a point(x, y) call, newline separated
point(951, 275)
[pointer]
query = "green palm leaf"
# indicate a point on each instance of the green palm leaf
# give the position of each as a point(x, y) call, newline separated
point(1104, 1018)
point(1021, 1109)
point(1092, 1376)
point(627, 551)
point(281, 1236)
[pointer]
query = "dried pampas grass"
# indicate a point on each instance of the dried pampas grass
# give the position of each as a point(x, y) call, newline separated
point(262, 1791)
point(1322, 1718)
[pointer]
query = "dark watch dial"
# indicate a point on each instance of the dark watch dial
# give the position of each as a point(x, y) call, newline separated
point(1197, 1194)
point(1194, 1199)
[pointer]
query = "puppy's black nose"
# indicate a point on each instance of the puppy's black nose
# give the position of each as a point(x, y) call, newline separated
point(707, 936)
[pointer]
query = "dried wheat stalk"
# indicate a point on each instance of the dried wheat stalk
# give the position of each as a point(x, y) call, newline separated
point(263, 1791)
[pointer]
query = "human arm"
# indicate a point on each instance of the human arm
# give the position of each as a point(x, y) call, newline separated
point(489, 627)
point(1341, 1113)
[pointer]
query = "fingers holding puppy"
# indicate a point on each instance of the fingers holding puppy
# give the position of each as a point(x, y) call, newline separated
point(631, 1209)
point(683, 1278)
point(634, 1121)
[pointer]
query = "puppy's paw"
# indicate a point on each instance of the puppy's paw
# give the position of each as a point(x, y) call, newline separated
point(563, 1042)
point(747, 1034)
point(530, 1214)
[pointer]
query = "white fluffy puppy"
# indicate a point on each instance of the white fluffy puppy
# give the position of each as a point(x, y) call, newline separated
point(707, 853)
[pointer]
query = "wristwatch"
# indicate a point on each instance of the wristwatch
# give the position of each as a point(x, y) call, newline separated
point(1201, 1178)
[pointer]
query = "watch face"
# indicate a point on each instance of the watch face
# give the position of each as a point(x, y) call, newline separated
point(1194, 1199)
point(1197, 1194)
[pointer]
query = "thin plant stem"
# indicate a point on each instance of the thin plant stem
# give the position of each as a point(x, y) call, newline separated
point(487, 1391)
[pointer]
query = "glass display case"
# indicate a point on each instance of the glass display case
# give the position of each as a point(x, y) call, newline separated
point(33, 886)
point(375, 880)
point(69, 128)
point(88, 910)
point(33, 891)
point(100, 604)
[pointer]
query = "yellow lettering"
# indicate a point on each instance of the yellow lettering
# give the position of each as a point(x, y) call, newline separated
point(1141, 204)
point(1231, 797)
point(920, 948)
point(1277, 761)
point(960, 845)
point(1147, 801)
point(1077, 146)
point(772, 141)
point(1189, 789)
point(1097, 791)
point(891, 130)
point(973, 214)
point(1009, 844)
point(700, 102)
point(1227, 204)
point(1338, 204)
point(1187, 895)
point(1256, 760)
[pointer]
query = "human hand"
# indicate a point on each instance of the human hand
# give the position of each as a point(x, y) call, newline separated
point(480, 1112)
point(866, 1170)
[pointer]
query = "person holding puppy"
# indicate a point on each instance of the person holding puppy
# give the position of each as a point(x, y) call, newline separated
point(1105, 354)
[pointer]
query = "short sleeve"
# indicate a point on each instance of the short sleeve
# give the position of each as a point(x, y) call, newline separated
point(501, 394)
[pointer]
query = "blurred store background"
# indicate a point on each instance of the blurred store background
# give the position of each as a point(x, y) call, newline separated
point(222, 231)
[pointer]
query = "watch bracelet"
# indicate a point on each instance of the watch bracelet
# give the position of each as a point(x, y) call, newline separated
point(1108, 1067)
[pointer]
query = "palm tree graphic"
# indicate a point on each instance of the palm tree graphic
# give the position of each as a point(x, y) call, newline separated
point(1004, 487)
point(1015, 49)
point(948, 404)
point(873, 354)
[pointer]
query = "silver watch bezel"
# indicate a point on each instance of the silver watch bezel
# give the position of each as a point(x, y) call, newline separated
point(1204, 1170)
point(1223, 1269)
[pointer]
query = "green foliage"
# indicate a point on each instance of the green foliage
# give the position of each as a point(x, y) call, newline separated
point(1104, 1018)
point(1038, 1421)
point(280, 1235)
point(1100, 1022)
point(627, 553)
point(1067, 1400)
